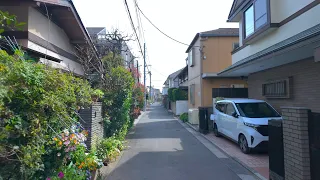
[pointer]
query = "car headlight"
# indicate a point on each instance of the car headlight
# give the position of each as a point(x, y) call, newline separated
point(254, 126)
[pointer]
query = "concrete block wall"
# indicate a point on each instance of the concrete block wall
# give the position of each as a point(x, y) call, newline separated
point(296, 143)
point(181, 107)
point(93, 122)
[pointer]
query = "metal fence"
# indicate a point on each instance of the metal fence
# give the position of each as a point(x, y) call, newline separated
point(314, 142)
point(230, 92)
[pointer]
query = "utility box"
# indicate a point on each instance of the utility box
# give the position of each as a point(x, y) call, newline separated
point(193, 116)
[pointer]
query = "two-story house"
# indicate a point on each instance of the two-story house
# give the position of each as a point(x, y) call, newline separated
point(171, 82)
point(208, 54)
point(52, 30)
point(104, 44)
point(279, 51)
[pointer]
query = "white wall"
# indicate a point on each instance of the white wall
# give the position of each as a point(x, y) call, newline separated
point(181, 107)
point(42, 27)
point(194, 72)
point(65, 63)
point(299, 24)
point(282, 9)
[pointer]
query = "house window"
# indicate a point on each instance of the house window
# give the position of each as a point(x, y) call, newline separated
point(192, 94)
point(191, 57)
point(276, 89)
point(256, 16)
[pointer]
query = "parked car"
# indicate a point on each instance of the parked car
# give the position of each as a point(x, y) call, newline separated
point(244, 121)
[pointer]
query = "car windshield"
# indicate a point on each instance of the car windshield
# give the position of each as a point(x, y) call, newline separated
point(256, 110)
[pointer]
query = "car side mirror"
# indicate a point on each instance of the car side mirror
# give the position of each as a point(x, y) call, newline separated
point(234, 114)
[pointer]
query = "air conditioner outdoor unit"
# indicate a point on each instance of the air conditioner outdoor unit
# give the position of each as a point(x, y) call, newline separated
point(193, 115)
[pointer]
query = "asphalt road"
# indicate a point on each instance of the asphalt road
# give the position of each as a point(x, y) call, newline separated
point(160, 148)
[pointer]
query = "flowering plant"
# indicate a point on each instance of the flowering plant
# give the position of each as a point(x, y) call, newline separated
point(71, 148)
point(69, 139)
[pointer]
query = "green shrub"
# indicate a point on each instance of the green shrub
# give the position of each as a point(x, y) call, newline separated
point(170, 94)
point(117, 101)
point(219, 99)
point(184, 117)
point(36, 103)
point(179, 95)
point(109, 148)
point(98, 93)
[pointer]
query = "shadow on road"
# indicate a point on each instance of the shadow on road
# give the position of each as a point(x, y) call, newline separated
point(161, 149)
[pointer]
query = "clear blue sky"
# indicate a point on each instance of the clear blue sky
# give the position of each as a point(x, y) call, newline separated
point(180, 19)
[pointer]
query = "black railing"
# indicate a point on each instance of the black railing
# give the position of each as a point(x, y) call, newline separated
point(230, 92)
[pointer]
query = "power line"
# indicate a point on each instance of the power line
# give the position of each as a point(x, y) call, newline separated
point(140, 27)
point(132, 25)
point(158, 72)
point(159, 29)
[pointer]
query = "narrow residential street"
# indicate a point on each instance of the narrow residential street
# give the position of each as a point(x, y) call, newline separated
point(162, 148)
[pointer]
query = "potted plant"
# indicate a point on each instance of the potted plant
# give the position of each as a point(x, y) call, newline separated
point(96, 95)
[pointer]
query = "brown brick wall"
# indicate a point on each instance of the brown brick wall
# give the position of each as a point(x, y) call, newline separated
point(296, 143)
point(305, 84)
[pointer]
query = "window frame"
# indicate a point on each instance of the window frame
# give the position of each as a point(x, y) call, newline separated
point(234, 108)
point(259, 30)
point(223, 104)
point(287, 88)
point(191, 53)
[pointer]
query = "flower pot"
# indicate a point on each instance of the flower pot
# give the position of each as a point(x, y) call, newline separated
point(105, 163)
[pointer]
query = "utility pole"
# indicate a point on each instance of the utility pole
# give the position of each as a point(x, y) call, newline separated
point(150, 87)
point(144, 76)
point(138, 72)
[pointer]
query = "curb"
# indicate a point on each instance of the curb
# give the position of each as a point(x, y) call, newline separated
point(136, 121)
point(234, 158)
point(108, 169)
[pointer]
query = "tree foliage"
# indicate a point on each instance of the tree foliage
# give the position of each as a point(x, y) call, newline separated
point(179, 95)
point(36, 102)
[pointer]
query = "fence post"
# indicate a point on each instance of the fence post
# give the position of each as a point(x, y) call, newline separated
point(296, 143)
point(93, 122)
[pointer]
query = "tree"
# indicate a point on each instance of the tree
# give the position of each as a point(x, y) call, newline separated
point(97, 63)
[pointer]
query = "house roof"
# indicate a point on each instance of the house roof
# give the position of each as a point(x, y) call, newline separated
point(94, 30)
point(221, 32)
point(185, 69)
point(307, 34)
point(237, 5)
point(173, 75)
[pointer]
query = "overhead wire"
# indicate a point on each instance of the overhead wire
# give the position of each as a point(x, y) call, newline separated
point(159, 29)
point(132, 25)
point(135, 31)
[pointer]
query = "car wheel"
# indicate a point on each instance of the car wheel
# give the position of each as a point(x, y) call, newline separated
point(215, 130)
point(243, 144)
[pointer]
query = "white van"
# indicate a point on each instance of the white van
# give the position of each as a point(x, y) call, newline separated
point(244, 121)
